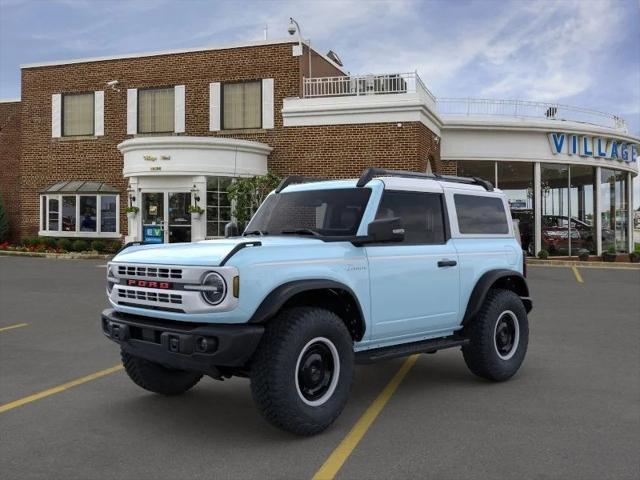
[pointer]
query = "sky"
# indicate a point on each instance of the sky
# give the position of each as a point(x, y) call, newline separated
point(577, 52)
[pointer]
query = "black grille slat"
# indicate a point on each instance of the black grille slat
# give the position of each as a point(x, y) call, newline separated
point(149, 272)
point(149, 296)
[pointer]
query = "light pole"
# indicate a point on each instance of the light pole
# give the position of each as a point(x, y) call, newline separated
point(293, 28)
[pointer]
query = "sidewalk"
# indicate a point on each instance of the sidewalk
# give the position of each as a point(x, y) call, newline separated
point(535, 262)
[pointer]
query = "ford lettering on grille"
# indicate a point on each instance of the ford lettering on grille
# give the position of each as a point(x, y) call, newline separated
point(148, 284)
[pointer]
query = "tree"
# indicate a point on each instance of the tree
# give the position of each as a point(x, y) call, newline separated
point(4, 223)
point(246, 195)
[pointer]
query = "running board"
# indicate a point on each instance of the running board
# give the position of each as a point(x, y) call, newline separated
point(406, 349)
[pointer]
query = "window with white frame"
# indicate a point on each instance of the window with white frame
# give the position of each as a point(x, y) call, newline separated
point(78, 114)
point(79, 209)
point(242, 105)
point(218, 205)
point(156, 112)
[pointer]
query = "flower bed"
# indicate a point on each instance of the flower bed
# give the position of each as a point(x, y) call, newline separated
point(62, 245)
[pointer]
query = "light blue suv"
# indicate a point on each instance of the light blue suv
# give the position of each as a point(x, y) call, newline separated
point(327, 274)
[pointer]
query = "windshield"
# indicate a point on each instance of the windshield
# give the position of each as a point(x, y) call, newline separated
point(326, 213)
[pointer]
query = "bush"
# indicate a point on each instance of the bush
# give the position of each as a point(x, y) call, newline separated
point(30, 242)
point(65, 244)
point(48, 242)
point(4, 223)
point(611, 249)
point(583, 254)
point(113, 247)
point(543, 254)
point(98, 245)
point(80, 246)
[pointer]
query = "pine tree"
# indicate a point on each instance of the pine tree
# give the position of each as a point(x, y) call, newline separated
point(4, 223)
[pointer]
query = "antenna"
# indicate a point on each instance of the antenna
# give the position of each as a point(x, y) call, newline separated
point(266, 32)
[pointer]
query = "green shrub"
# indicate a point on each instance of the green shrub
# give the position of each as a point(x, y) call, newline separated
point(611, 249)
point(48, 242)
point(98, 245)
point(4, 223)
point(65, 244)
point(80, 246)
point(29, 241)
point(543, 254)
point(113, 246)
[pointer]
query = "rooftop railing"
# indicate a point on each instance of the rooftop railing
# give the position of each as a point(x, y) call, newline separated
point(398, 83)
point(523, 108)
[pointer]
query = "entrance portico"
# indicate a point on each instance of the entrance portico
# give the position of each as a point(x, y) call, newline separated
point(168, 174)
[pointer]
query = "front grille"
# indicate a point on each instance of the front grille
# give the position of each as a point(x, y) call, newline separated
point(149, 272)
point(149, 296)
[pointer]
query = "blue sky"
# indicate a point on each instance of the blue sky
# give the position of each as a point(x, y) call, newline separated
point(578, 52)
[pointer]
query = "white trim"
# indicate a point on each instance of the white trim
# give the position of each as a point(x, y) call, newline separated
point(268, 119)
point(157, 53)
point(179, 109)
point(132, 111)
point(630, 212)
point(98, 113)
point(598, 220)
point(537, 207)
point(77, 233)
point(56, 115)
point(10, 100)
point(214, 107)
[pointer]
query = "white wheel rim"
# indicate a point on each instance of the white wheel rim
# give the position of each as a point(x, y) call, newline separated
point(334, 379)
point(513, 319)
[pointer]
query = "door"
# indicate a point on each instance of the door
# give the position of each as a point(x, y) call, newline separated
point(165, 218)
point(414, 284)
point(153, 215)
point(179, 217)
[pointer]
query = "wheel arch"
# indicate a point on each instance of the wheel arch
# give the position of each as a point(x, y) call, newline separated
point(328, 294)
point(505, 279)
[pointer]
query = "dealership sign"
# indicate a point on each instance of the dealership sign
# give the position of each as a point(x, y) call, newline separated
point(597, 147)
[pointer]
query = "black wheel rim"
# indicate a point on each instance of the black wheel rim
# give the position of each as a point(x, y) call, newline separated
point(506, 335)
point(315, 371)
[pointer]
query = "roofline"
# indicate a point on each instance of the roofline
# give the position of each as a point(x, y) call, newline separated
point(173, 52)
point(10, 100)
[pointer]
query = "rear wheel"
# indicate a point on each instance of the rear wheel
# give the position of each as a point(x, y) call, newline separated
point(302, 371)
point(157, 378)
point(499, 336)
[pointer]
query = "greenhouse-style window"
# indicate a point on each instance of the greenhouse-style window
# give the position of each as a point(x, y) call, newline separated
point(218, 205)
point(80, 209)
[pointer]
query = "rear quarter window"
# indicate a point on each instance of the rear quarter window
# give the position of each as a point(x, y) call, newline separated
point(481, 215)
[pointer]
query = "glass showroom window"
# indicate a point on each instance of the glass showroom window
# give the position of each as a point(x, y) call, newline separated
point(242, 105)
point(614, 191)
point(582, 208)
point(79, 216)
point(77, 114)
point(478, 168)
point(218, 205)
point(515, 179)
point(555, 208)
point(156, 110)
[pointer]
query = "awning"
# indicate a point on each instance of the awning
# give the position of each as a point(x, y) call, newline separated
point(80, 186)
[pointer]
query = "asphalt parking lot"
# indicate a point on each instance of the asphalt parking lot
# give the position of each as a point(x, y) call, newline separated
point(572, 412)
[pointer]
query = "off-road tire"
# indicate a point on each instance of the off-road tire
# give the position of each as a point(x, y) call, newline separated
point(157, 378)
point(481, 354)
point(275, 364)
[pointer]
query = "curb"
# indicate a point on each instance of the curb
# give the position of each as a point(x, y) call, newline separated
point(570, 263)
point(60, 256)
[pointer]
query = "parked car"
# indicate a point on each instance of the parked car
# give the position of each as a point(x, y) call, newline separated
point(325, 275)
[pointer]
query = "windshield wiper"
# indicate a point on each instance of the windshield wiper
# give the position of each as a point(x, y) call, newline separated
point(301, 231)
point(254, 232)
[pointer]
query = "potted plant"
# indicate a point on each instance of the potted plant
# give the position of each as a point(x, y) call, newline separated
point(195, 211)
point(131, 212)
point(543, 254)
point(635, 255)
point(610, 255)
point(583, 254)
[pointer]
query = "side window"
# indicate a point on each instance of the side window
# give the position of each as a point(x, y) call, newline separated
point(421, 214)
point(480, 215)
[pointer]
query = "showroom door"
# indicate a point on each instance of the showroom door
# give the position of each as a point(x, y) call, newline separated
point(179, 217)
point(153, 217)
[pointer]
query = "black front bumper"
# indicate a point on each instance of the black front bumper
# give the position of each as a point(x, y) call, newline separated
point(186, 346)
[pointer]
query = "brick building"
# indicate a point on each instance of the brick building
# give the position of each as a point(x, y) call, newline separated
point(165, 130)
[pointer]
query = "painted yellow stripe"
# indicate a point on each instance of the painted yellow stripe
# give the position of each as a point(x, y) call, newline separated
point(340, 455)
point(60, 388)
point(11, 327)
point(577, 274)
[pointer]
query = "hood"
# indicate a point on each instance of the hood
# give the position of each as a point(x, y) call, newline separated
point(205, 253)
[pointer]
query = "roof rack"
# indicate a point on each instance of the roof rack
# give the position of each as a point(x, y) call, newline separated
point(371, 173)
point(295, 179)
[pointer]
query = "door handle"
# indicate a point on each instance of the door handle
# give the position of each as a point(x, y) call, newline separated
point(447, 263)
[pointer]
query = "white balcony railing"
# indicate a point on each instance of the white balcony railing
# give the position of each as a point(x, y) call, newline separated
point(523, 108)
point(355, 85)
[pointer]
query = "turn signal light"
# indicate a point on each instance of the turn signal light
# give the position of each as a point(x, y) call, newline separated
point(236, 286)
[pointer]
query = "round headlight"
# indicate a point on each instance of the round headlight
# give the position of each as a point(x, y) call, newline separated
point(215, 288)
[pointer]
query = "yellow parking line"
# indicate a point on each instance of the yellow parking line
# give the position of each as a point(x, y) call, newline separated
point(11, 327)
point(337, 458)
point(577, 274)
point(60, 388)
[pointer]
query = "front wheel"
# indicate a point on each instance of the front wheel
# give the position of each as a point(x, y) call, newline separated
point(498, 336)
point(302, 371)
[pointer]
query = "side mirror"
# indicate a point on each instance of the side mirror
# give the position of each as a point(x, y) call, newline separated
point(384, 230)
point(231, 230)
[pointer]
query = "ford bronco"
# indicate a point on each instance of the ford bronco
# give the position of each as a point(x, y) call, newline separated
point(326, 274)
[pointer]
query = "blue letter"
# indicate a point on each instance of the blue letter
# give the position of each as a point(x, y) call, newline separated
point(557, 142)
point(601, 151)
point(624, 153)
point(573, 148)
point(614, 149)
point(634, 153)
point(586, 149)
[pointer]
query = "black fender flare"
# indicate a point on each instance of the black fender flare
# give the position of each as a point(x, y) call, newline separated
point(509, 279)
point(276, 299)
